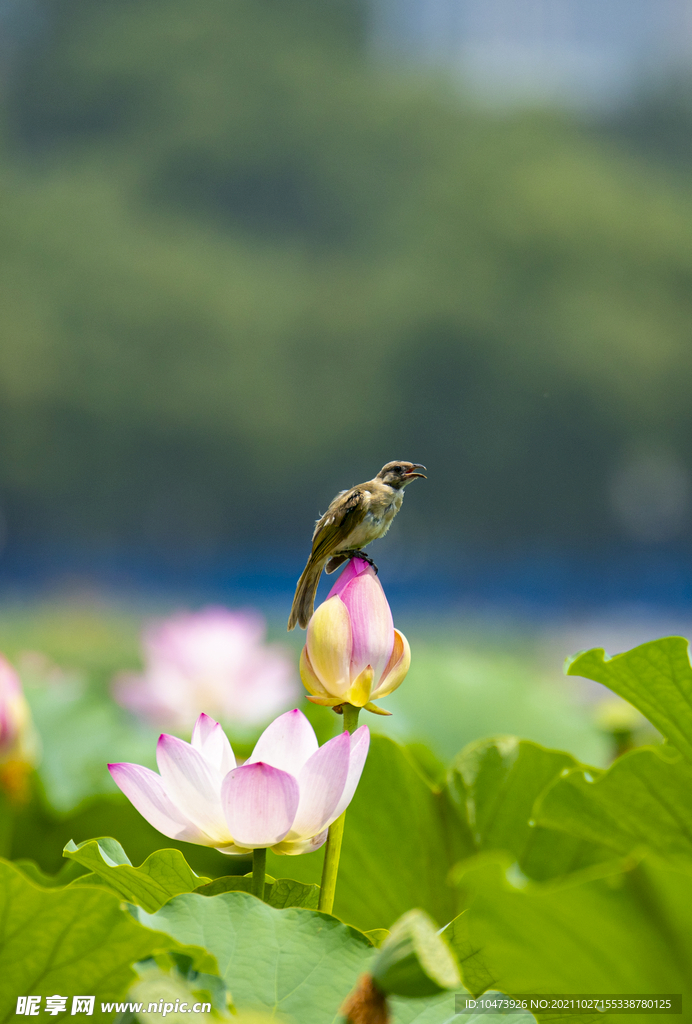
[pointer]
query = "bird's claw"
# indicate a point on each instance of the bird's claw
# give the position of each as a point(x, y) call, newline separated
point(366, 558)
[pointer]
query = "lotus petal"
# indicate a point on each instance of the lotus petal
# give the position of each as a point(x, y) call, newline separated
point(212, 742)
point(375, 710)
point(396, 670)
point(286, 744)
point(307, 674)
point(329, 646)
point(260, 803)
point(325, 702)
point(355, 567)
point(360, 742)
point(372, 628)
point(293, 847)
point(192, 784)
point(321, 783)
point(145, 791)
point(360, 689)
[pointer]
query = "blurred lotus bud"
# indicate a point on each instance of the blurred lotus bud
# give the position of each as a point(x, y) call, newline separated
point(353, 654)
point(414, 961)
point(215, 661)
point(185, 986)
point(19, 745)
point(620, 720)
point(613, 714)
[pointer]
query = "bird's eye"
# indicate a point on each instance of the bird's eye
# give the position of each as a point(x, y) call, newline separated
point(397, 469)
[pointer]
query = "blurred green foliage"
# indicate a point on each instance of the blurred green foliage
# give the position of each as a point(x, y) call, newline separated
point(241, 267)
point(455, 694)
point(462, 685)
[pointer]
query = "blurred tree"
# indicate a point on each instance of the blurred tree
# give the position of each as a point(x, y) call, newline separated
point(657, 122)
point(241, 268)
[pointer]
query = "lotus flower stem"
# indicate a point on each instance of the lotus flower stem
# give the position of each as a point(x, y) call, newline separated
point(336, 832)
point(7, 824)
point(350, 718)
point(259, 865)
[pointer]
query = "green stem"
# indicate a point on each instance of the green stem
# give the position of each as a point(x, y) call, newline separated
point(259, 867)
point(331, 864)
point(7, 823)
point(350, 717)
point(336, 832)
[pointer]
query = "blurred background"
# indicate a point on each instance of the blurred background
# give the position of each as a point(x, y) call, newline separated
point(251, 251)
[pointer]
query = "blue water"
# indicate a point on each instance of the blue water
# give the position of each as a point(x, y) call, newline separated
point(532, 582)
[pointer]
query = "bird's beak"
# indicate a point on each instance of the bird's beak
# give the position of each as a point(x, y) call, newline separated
point(409, 475)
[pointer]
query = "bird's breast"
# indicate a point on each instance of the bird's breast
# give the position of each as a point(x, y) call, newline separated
point(376, 520)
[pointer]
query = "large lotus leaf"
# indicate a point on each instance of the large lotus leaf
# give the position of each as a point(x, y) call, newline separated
point(642, 800)
point(278, 892)
point(618, 929)
point(286, 892)
point(163, 874)
point(494, 783)
point(402, 835)
point(68, 873)
point(166, 873)
point(434, 1010)
point(298, 964)
point(655, 677)
point(71, 941)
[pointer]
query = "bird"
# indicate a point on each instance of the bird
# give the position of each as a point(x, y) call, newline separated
point(354, 518)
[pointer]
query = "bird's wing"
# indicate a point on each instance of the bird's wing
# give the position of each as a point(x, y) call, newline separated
point(345, 513)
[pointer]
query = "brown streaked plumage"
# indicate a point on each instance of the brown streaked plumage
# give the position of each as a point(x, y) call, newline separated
point(353, 520)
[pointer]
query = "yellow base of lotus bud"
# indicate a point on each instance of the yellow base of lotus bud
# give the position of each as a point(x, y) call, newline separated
point(336, 702)
point(14, 782)
point(357, 694)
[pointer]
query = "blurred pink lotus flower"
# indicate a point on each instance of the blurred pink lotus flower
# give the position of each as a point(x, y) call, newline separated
point(19, 744)
point(213, 660)
point(353, 654)
point(284, 796)
point(17, 736)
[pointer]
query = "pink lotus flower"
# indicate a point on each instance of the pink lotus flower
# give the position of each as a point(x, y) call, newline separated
point(353, 653)
point(18, 739)
point(213, 660)
point(285, 796)
point(19, 743)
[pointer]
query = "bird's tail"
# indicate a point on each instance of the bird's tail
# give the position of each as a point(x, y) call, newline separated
point(304, 600)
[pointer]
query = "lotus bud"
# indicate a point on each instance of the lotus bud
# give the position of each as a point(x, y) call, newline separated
point(414, 961)
point(619, 720)
point(18, 739)
point(353, 654)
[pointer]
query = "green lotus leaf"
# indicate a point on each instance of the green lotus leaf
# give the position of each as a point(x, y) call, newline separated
point(165, 873)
